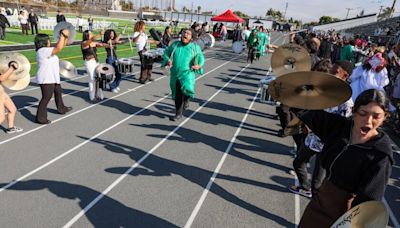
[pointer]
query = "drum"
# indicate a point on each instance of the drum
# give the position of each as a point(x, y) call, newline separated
point(125, 66)
point(237, 47)
point(205, 41)
point(264, 83)
point(105, 72)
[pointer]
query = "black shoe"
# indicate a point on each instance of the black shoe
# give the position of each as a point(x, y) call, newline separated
point(46, 122)
point(175, 118)
point(66, 109)
point(150, 79)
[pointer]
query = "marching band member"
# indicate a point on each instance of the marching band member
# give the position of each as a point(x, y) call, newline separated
point(48, 74)
point(111, 40)
point(89, 51)
point(184, 59)
point(141, 39)
point(357, 156)
point(7, 103)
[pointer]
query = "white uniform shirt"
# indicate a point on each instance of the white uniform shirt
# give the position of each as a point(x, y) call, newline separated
point(141, 42)
point(48, 71)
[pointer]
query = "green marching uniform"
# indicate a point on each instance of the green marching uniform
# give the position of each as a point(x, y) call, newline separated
point(183, 58)
point(262, 41)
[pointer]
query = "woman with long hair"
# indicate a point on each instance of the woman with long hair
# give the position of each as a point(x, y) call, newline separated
point(111, 39)
point(141, 40)
point(48, 74)
point(357, 156)
point(89, 51)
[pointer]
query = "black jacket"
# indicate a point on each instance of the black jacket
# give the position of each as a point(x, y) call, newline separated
point(362, 169)
point(60, 18)
point(33, 19)
point(4, 21)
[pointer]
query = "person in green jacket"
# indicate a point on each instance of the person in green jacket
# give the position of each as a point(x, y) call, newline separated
point(262, 41)
point(346, 52)
point(184, 58)
point(252, 44)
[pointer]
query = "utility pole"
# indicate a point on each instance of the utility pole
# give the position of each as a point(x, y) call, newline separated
point(380, 10)
point(392, 9)
point(284, 15)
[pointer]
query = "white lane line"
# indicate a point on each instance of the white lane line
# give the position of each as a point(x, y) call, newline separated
point(120, 178)
point(219, 166)
point(391, 215)
point(297, 215)
point(84, 109)
point(97, 135)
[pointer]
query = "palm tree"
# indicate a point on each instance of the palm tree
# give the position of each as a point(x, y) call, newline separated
point(198, 9)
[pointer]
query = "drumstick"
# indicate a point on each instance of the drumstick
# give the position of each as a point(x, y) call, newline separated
point(111, 49)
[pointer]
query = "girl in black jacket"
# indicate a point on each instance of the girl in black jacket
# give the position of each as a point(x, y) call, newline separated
point(357, 156)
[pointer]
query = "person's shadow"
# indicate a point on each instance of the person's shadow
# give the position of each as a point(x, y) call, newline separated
point(107, 213)
point(158, 166)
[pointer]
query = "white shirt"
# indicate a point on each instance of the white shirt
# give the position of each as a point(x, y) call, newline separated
point(48, 71)
point(79, 21)
point(141, 42)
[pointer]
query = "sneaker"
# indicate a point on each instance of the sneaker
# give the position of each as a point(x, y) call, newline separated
point(118, 89)
point(13, 130)
point(175, 118)
point(292, 172)
point(301, 191)
point(114, 90)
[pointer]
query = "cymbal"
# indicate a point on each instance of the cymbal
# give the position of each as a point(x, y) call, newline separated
point(310, 90)
point(370, 214)
point(20, 78)
point(290, 58)
point(61, 26)
point(67, 69)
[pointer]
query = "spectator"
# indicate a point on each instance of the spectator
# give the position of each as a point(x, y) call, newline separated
point(60, 17)
point(3, 23)
point(79, 23)
point(33, 20)
point(23, 19)
point(90, 21)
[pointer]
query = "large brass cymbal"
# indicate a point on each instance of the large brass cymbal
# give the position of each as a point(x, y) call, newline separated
point(20, 78)
point(67, 69)
point(290, 58)
point(309, 90)
point(368, 214)
point(61, 26)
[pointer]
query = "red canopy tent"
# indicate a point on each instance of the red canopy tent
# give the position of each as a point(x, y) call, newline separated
point(228, 16)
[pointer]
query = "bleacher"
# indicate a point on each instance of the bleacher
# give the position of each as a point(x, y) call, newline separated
point(372, 28)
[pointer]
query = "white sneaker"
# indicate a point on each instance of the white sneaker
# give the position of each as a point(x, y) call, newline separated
point(118, 89)
point(114, 90)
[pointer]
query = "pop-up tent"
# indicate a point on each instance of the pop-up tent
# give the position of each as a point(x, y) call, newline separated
point(228, 16)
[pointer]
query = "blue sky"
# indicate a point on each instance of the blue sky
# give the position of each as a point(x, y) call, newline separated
point(306, 10)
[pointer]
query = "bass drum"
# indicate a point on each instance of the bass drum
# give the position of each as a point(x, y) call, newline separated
point(205, 41)
point(237, 47)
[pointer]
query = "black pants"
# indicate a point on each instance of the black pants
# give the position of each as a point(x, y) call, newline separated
point(34, 26)
point(181, 101)
point(146, 68)
point(2, 33)
point(300, 167)
point(47, 93)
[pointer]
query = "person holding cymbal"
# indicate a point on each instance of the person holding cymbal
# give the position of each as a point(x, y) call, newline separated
point(48, 74)
point(7, 103)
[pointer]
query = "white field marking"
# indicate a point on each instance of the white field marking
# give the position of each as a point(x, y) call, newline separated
point(88, 107)
point(296, 205)
point(120, 178)
point(95, 136)
point(391, 215)
point(196, 210)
